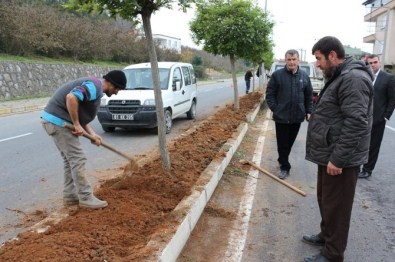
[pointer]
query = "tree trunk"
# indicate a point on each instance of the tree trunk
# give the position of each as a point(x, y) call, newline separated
point(236, 90)
point(157, 91)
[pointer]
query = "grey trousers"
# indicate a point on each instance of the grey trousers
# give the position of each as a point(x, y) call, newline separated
point(74, 159)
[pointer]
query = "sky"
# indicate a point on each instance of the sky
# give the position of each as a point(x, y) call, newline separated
point(299, 24)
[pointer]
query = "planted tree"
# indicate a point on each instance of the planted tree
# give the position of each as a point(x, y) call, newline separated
point(234, 28)
point(133, 10)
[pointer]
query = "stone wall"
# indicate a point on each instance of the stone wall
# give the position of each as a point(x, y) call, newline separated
point(22, 79)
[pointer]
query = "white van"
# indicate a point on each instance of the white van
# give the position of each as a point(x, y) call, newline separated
point(135, 107)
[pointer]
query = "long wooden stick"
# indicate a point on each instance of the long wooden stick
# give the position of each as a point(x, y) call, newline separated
point(85, 134)
point(273, 176)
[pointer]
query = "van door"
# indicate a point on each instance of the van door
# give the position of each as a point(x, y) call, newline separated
point(178, 92)
point(188, 89)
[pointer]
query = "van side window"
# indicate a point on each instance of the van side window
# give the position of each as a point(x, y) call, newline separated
point(187, 75)
point(193, 77)
point(177, 78)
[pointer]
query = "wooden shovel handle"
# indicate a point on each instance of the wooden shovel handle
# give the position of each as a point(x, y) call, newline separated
point(274, 177)
point(104, 144)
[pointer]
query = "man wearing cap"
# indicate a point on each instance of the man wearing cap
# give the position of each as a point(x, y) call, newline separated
point(77, 103)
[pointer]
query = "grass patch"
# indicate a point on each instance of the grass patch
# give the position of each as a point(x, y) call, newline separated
point(234, 171)
point(240, 154)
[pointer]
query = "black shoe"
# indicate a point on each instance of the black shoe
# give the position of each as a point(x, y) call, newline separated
point(316, 258)
point(313, 240)
point(364, 174)
point(283, 174)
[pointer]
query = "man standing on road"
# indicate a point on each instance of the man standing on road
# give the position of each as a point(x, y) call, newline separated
point(247, 78)
point(77, 103)
point(383, 106)
point(338, 142)
point(289, 95)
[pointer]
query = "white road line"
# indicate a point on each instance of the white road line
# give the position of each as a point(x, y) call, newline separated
point(238, 235)
point(393, 129)
point(14, 137)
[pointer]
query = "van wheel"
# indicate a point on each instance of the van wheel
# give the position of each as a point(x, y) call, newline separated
point(191, 114)
point(168, 121)
point(108, 128)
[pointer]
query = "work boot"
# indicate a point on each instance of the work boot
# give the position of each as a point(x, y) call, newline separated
point(92, 202)
point(364, 174)
point(314, 240)
point(316, 258)
point(70, 200)
point(283, 174)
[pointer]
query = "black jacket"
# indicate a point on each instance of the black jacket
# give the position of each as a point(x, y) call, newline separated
point(248, 75)
point(339, 128)
point(384, 96)
point(289, 96)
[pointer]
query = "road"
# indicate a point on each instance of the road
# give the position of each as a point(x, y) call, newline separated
point(253, 218)
point(31, 168)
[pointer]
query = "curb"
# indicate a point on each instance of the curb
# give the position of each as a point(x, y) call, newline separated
point(189, 210)
point(19, 110)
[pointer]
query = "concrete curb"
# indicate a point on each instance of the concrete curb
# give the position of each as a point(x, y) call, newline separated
point(199, 198)
point(19, 110)
point(189, 210)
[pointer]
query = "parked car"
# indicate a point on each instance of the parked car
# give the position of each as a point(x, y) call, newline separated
point(135, 106)
point(315, 74)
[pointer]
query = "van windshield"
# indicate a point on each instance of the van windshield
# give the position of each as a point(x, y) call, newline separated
point(305, 68)
point(141, 78)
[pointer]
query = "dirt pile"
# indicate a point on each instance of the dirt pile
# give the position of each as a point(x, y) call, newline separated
point(139, 205)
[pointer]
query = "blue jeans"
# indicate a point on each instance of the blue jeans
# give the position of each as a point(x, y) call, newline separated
point(248, 82)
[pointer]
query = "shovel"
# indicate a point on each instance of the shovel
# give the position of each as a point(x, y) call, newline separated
point(297, 190)
point(130, 167)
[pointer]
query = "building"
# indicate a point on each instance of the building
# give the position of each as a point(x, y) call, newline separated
point(168, 42)
point(382, 32)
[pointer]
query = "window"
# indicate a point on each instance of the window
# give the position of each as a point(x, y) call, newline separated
point(187, 75)
point(177, 78)
point(141, 78)
point(193, 77)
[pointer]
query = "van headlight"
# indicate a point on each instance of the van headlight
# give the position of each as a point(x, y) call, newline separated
point(103, 102)
point(149, 102)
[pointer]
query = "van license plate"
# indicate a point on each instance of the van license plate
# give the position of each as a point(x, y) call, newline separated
point(122, 117)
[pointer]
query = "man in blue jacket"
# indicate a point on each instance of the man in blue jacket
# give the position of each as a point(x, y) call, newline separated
point(289, 95)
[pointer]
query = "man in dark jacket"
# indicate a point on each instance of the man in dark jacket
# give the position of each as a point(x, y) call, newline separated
point(247, 78)
point(289, 95)
point(383, 106)
point(338, 142)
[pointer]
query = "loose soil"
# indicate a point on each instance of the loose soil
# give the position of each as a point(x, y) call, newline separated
point(140, 204)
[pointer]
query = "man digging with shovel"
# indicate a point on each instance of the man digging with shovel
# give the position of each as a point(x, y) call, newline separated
point(76, 103)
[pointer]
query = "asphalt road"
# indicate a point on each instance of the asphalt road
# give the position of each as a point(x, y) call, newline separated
point(31, 168)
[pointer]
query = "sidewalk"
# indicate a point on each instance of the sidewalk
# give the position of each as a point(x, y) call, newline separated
point(22, 106)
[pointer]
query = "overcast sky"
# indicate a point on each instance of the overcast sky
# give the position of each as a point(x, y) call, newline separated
point(298, 24)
